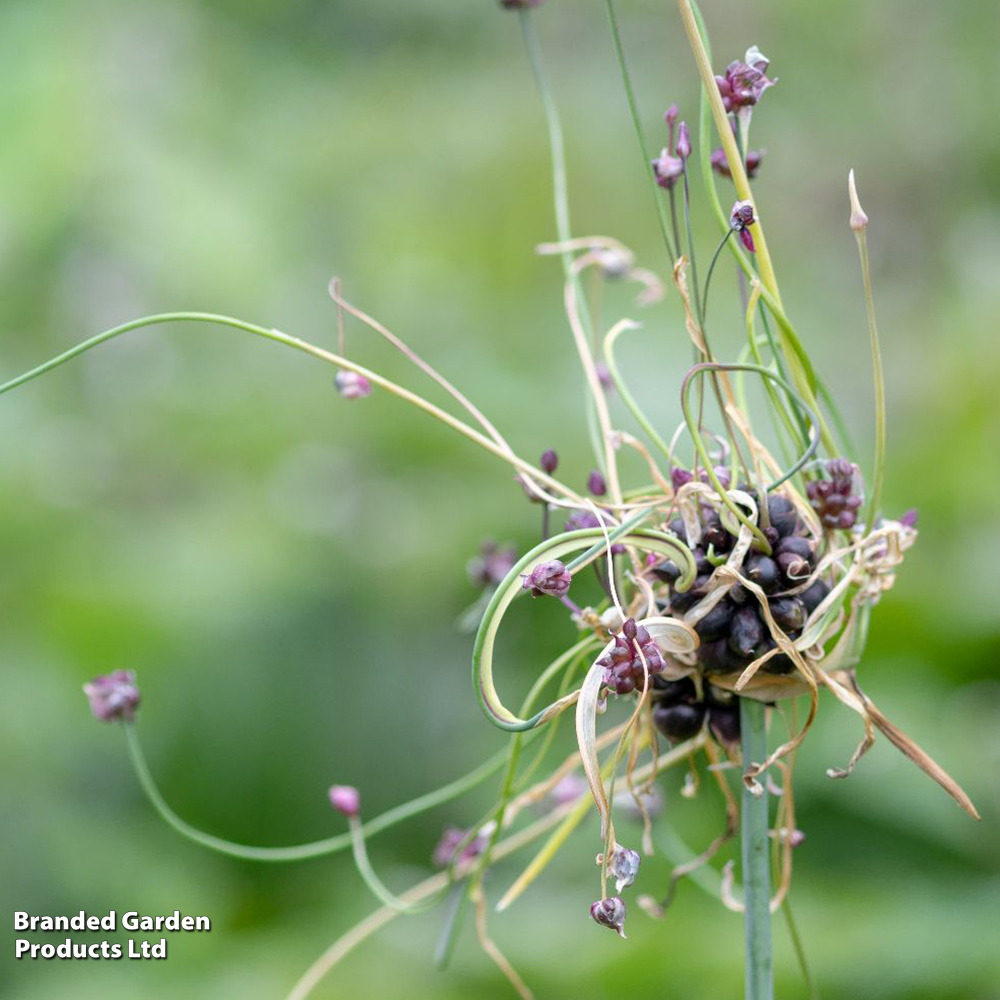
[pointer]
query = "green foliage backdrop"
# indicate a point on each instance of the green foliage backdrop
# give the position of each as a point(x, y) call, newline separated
point(284, 569)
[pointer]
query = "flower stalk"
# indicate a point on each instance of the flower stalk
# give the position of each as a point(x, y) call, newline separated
point(755, 857)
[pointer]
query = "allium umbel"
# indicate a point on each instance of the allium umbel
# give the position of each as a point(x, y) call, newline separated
point(744, 82)
point(113, 697)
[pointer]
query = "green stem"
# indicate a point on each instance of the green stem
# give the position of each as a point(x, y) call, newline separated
point(633, 108)
point(756, 862)
point(318, 848)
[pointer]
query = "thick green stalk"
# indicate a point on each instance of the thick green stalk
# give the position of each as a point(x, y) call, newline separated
point(756, 861)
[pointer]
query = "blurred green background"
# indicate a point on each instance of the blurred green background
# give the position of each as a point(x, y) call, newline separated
point(284, 569)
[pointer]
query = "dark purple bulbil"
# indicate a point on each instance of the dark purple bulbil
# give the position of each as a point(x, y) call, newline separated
point(113, 697)
point(834, 499)
point(744, 82)
point(549, 461)
point(623, 664)
point(550, 577)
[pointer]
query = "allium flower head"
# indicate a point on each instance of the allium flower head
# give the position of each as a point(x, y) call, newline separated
point(610, 913)
point(346, 800)
point(351, 385)
point(548, 578)
point(113, 696)
point(744, 82)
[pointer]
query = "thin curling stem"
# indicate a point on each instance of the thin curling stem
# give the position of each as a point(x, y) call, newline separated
point(318, 848)
point(859, 223)
point(755, 859)
point(633, 108)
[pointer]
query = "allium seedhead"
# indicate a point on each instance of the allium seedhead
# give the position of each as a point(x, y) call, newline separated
point(351, 385)
point(623, 866)
point(596, 484)
point(549, 461)
point(741, 218)
point(345, 799)
point(492, 564)
point(548, 578)
point(113, 697)
point(610, 913)
point(683, 141)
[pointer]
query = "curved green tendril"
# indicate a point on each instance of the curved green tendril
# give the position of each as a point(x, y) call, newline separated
point(626, 397)
point(555, 548)
point(315, 849)
point(703, 451)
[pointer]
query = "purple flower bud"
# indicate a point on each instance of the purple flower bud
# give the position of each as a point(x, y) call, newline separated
point(667, 168)
point(492, 564)
point(345, 799)
point(351, 385)
point(625, 667)
point(740, 219)
point(452, 837)
point(610, 913)
point(581, 519)
point(113, 696)
point(683, 141)
point(909, 519)
point(623, 866)
point(721, 165)
point(547, 578)
point(549, 461)
point(671, 115)
point(680, 477)
point(604, 376)
point(596, 484)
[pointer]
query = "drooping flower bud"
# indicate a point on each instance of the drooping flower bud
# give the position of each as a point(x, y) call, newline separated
point(596, 484)
point(680, 477)
point(610, 913)
point(741, 218)
point(113, 697)
point(547, 578)
point(351, 385)
point(345, 799)
point(683, 141)
point(623, 866)
point(549, 461)
point(667, 168)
